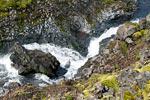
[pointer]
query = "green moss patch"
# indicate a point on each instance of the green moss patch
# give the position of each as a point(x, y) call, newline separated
point(13, 3)
point(108, 80)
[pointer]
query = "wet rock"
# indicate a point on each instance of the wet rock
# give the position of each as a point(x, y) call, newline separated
point(67, 64)
point(76, 26)
point(28, 61)
point(126, 30)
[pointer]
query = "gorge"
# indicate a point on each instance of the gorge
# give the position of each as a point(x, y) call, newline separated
point(75, 57)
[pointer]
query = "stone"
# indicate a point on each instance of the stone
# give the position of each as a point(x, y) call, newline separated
point(33, 61)
point(106, 52)
point(142, 22)
point(126, 30)
point(14, 85)
point(2, 91)
point(67, 64)
point(76, 26)
point(145, 55)
point(129, 40)
point(148, 18)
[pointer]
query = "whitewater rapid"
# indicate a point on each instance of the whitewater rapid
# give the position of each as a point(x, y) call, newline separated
point(64, 55)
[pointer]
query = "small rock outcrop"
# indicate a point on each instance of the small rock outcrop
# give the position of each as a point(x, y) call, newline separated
point(126, 30)
point(28, 61)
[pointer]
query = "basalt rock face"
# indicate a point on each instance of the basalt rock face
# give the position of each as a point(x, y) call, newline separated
point(60, 22)
point(33, 61)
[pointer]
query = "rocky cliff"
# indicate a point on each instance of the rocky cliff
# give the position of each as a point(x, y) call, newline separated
point(121, 72)
point(65, 22)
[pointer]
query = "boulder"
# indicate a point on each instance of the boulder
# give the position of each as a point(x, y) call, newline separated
point(126, 30)
point(129, 40)
point(142, 22)
point(33, 61)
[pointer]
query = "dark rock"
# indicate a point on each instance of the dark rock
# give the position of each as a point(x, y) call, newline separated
point(99, 90)
point(76, 26)
point(28, 61)
point(45, 21)
point(67, 64)
point(126, 30)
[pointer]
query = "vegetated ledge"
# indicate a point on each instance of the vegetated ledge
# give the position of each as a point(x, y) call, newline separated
point(127, 76)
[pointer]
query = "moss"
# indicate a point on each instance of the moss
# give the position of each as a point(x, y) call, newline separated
point(138, 57)
point(44, 98)
point(68, 97)
point(138, 27)
point(136, 65)
point(73, 45)
point(145, 68)
point(23, 3)
point(107, 97)
point(108, 1)
point(2, 14)
point(80, 86)
point(93, 26)
point(128, 95)
point(12, 3)
point(136, 35)
point(116, 65)
point(123, 46)
point(146, 92)
point(109, 81)
point(19, 92)
point(86, 94)
point(144, 32)
point(139, 34)
point(147, 62)
point(34, 97)
point(138, 90)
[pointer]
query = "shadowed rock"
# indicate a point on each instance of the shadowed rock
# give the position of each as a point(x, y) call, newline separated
point(29, 61)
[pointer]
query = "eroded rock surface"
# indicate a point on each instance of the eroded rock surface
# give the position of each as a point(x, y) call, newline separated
point(28, 61)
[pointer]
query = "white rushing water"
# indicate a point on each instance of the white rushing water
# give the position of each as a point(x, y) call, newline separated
point(64, 55)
